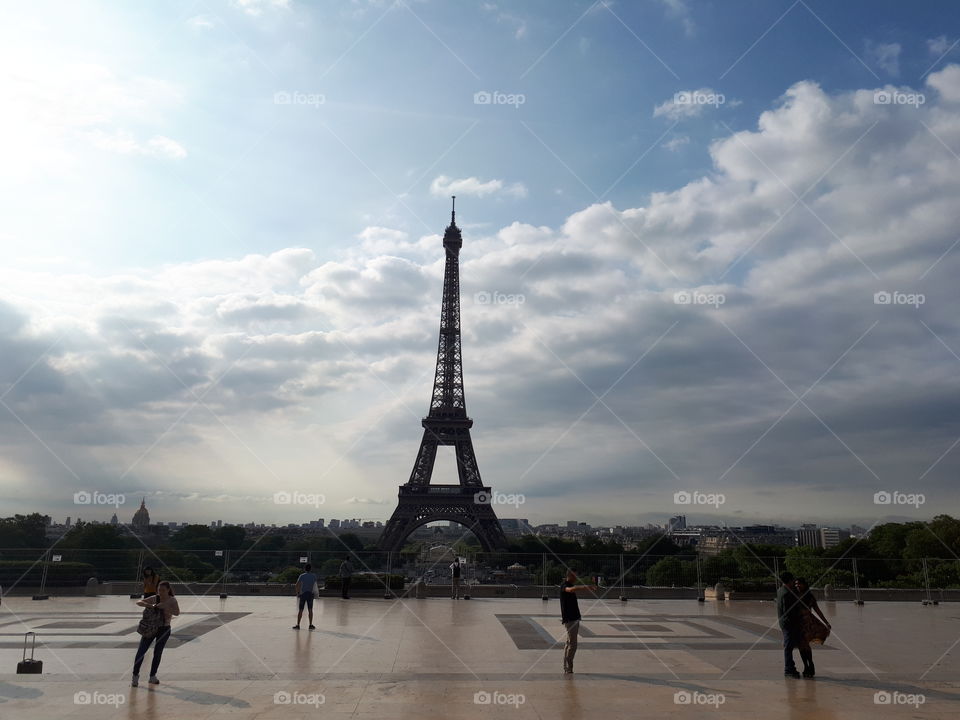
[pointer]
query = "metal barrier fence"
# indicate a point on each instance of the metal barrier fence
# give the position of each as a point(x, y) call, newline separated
point(26, 570)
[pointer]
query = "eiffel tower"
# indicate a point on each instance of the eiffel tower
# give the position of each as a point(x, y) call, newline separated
point(446, 424)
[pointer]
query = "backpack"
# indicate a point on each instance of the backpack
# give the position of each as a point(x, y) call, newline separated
point(151, 622)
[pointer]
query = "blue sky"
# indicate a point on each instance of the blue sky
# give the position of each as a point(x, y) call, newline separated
point(232, 289)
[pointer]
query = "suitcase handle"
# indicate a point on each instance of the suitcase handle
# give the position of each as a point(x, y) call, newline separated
point(32, 649)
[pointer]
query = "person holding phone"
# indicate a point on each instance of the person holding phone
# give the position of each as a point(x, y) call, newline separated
point(165, 602)
point(570, 617)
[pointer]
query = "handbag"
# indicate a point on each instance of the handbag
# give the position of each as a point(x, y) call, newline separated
point(151, 622)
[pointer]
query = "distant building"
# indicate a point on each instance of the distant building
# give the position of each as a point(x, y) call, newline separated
point(334, 524)
point(141, 519)
point(678, 523)
point(829, 537)
point(571, 524)
point(808, 536)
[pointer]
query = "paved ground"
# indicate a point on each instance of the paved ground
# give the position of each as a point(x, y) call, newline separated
point(438, 658)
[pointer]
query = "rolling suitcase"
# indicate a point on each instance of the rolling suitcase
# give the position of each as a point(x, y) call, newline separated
point(29, 666)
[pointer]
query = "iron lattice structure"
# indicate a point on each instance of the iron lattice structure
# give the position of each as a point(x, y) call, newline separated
point(446, 424)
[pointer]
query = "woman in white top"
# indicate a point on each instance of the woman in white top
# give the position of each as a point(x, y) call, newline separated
point(164, 600)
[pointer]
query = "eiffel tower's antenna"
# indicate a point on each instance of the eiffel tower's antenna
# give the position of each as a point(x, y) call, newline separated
point(453, 210)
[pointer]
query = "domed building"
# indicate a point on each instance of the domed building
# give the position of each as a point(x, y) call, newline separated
point(141, 519)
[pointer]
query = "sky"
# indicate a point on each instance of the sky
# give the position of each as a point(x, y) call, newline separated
point(708, 268)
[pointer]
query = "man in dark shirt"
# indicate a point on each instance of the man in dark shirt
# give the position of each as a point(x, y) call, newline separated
point(455, 579)
point(570, 617)
point(788, 615)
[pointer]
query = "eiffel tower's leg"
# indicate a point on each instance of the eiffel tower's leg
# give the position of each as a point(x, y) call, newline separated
point(426, 457)
point(467, 468)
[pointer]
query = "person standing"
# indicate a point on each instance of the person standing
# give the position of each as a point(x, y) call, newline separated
point(811, 630)
point(306, 584)
point(346, 573)
point(165, 601)
point(788, 616)
point(570, 617)
point(455, 579)
point(150, 581)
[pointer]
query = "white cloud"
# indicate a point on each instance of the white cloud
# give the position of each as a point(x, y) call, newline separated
point(201, 22)
point(443, 185)
point(947, 83)
point(941, 45)
point(885, 56)
point(689, 103)
point(124, 143)
point(676, 142)
point(257, 7)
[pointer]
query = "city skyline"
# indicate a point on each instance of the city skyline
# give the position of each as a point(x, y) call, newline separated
point(694, 262)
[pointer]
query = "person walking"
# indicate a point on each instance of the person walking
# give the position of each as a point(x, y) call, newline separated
point(811, 630)
point(150, 581)
point(304, 590)
point(455, 579)
point(570, 617)
point(346, 572)
point(165, 602)
point(788, 617)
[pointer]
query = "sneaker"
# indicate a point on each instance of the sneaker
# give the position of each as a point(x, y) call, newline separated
point(153, 680)
point(313, 627)
point(791, 673)
point(135, 681)
point(296, 627)
point(809, 673)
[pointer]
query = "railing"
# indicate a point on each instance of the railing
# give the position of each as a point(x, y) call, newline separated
point(25, 571)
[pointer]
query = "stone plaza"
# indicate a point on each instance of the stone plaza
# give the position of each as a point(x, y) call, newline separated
point(438, 658)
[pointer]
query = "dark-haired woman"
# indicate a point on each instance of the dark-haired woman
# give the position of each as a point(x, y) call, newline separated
point(166, 603)
point(814, 631)
point(150, 581)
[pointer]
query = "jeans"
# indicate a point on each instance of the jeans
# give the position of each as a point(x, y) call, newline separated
point(161, 639)
point(345, 587)
point(792, 637)
point(570, 647)
point(455, 588)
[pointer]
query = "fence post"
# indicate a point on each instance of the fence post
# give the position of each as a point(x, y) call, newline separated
point(856, 583)
point(43, 577)
point(926, 583)
point(543, 578)
point(623, 592)
point(386, 587)
point(700, 596)
point(223, 577)
point(136, 579)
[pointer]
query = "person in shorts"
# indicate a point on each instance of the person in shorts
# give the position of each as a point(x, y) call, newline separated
point(304, 591)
